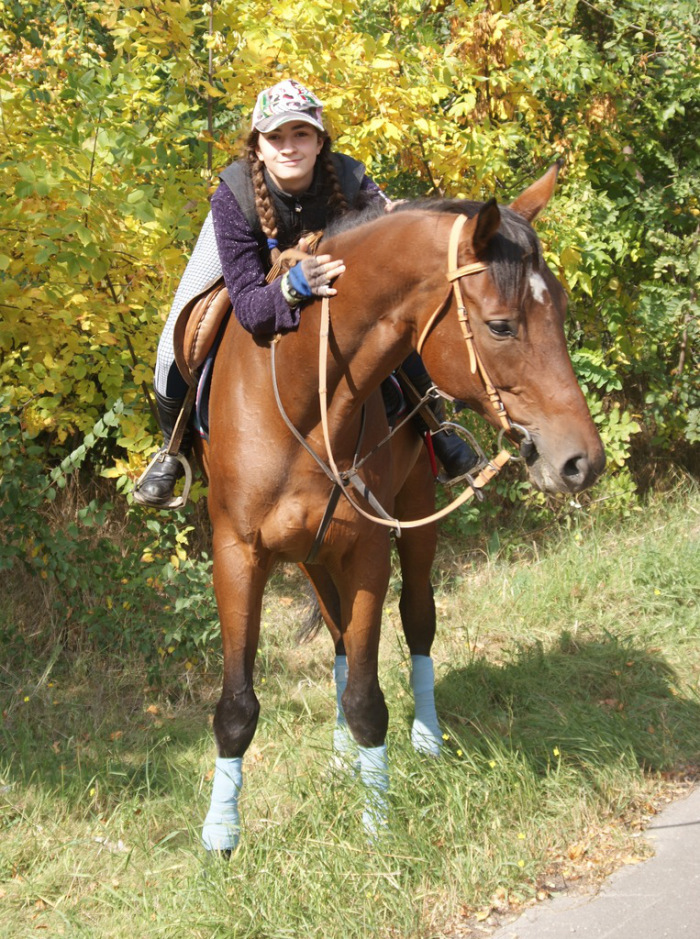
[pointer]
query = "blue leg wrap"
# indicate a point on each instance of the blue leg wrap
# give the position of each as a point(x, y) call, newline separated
point(222, 827)
point(344, 745)
point(426, 736)
point(374, 772)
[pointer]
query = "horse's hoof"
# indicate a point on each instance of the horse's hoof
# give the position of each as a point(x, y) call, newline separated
point(343, 766)
point(223, 855)
point(220, 839)
point(425, 741)
point(375, 821)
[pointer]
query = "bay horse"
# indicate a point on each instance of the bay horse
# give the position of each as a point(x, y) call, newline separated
point(268, 493)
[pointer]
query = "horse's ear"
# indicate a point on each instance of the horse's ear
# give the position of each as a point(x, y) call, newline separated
point(486, 223)
point(531, 202)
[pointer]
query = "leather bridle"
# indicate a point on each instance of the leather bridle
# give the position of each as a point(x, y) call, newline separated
point(455, 275)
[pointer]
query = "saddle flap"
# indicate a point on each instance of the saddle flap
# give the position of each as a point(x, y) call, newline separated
point(197, 327)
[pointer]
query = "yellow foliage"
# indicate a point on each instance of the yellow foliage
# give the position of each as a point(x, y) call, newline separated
point(109, 158)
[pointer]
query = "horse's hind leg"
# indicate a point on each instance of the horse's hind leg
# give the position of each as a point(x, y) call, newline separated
point(329, 605)
point(362, 583)
point(416, 549)
point(239, 582)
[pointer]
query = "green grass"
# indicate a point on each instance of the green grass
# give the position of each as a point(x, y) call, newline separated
point(568, 683)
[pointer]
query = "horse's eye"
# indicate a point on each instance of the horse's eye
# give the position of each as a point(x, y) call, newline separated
point(501, 328)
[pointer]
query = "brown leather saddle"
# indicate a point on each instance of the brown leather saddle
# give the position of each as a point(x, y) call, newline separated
point(197, 327)
point(201, 319)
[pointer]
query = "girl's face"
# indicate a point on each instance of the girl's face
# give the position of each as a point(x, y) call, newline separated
point(289, 154)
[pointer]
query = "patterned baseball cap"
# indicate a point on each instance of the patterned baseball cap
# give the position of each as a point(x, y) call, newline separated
point(286, 101)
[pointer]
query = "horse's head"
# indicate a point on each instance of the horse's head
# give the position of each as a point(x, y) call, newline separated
point(516, 310)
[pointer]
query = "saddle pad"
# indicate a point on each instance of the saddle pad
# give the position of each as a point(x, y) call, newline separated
point(197, 327)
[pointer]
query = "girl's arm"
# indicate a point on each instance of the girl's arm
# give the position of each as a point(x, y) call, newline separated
point(259, 307)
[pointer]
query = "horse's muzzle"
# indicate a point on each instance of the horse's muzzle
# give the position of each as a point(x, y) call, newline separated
point(562, 472)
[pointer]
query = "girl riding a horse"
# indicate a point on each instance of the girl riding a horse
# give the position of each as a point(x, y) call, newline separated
point(463, 283)
point(289, 183)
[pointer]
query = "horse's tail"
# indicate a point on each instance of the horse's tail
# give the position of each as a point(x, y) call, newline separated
point(324, 603)
point(313, 621)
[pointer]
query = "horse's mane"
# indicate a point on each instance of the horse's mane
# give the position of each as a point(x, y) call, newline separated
point(512, 254)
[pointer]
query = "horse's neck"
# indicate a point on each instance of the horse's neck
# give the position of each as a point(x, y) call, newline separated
point(376, 333)
point(384, 298)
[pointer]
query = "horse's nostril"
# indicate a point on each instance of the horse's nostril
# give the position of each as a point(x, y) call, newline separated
point(577, 470)
point(574, 466)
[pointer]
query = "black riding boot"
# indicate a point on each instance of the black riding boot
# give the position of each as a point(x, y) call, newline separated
point(157, 488)
point(455, 454)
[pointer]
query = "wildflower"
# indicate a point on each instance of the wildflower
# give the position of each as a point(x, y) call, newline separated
point(555, 751)
point(445, 736)
point(521, 836)
point(521, 863)
point(459, 753)
point(492, 764)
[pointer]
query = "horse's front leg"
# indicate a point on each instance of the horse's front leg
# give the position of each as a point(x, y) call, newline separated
point(362, 587)
point(239, 581)
point(416, 549)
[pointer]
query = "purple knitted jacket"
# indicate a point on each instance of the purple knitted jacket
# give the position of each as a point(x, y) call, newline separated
point(259, 307)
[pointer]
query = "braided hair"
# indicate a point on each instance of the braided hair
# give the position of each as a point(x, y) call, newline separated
point(337, 203)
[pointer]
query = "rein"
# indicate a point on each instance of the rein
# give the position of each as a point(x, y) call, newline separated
point(491, 469)
point(342, 479)
point(454, 275)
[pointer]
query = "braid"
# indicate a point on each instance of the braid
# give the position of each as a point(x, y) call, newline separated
point(263, 200)
point(337, 202)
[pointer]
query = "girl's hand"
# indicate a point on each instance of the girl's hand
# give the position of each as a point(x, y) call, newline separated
point(390, 206)
point(318, 273)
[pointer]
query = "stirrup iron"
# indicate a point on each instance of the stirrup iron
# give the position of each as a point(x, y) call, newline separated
point(471, 478)
point(177, 502)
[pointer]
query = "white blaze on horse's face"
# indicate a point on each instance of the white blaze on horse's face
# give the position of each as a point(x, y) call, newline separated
point(537, 287)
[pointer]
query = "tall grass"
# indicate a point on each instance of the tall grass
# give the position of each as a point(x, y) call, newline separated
point(568, 685)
